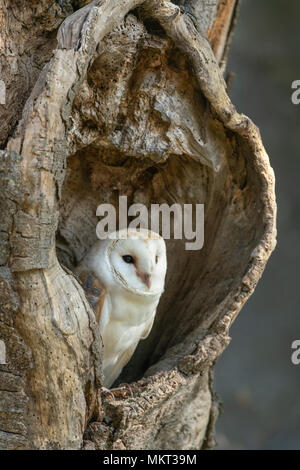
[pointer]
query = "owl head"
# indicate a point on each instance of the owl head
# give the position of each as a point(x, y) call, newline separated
point(132, 259)
point(138, 259)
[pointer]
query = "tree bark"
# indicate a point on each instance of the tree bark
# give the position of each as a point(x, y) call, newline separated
point(109, 98)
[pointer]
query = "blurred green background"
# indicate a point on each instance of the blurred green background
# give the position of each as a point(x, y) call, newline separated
point(258, 384)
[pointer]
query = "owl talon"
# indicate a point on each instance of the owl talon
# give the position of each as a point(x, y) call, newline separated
point(118, 392)
point(128, 388)
point(106, 391)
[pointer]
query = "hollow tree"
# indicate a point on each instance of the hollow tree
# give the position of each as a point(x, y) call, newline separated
point(109, 98)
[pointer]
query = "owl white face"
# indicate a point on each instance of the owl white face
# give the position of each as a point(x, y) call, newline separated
point(141, 262)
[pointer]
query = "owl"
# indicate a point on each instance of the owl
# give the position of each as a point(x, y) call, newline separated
point(123, 277)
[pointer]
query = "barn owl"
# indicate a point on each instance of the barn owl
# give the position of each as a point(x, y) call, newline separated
point(124, 277)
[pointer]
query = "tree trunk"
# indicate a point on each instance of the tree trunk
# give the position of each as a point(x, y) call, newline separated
point(123, 97)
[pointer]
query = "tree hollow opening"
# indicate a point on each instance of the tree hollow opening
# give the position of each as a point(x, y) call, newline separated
point(141, 128)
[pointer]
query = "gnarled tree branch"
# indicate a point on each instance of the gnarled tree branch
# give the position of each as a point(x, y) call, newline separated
point(159, 119)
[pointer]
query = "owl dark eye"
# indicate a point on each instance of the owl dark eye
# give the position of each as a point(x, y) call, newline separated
point(128, 259)
point(156, 259)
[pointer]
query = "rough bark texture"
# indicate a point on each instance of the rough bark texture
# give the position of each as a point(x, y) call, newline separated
point(129, 100)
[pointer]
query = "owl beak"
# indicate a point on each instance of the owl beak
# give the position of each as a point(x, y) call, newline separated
point(146, 279)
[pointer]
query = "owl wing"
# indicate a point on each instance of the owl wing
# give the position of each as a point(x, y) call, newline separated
point(148, 328)
point(127, 355)
point(94, 290)
point(117, 368)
